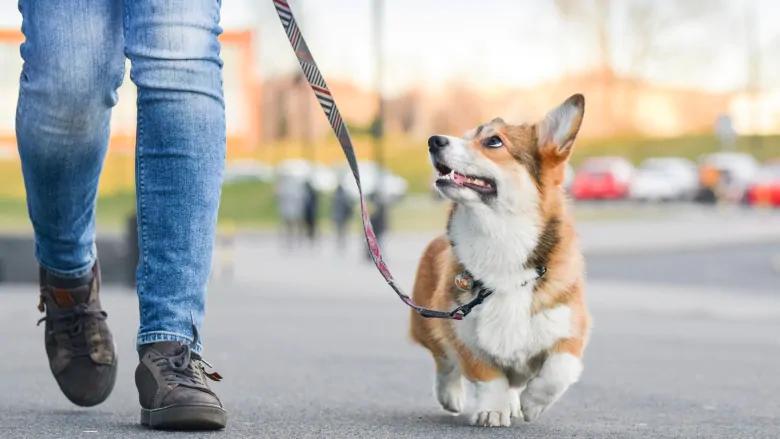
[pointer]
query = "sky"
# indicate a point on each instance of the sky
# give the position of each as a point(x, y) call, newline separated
point(513, 43)
point(496, 43)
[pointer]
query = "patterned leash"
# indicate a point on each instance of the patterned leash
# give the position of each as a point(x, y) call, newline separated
point(328, 105)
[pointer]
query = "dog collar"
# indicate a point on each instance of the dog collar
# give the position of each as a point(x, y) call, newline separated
point(465, 281)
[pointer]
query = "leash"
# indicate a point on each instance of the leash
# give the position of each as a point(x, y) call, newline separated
point(328, 104)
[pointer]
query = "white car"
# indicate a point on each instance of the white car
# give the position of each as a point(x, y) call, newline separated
point(664, 179)
point(321, 177)
point(393, 186)
point(568, 176)
point(737, 170)
point(248, 170)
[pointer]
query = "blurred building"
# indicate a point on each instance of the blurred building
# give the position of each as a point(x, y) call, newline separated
point(616, 106)
point(283, 107)
point(241, 81)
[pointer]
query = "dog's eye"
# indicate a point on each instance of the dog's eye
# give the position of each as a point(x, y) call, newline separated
point(493, 142)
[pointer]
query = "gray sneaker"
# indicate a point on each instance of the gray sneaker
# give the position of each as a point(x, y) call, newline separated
point(173, 391)
point(79, 345)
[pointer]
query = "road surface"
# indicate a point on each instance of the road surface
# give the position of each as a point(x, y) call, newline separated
point(313, 345)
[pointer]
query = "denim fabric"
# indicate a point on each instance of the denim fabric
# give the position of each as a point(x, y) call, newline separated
point(74, 54)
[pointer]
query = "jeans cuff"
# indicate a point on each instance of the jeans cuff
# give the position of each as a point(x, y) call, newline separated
point(158, 336)
point(69, 274)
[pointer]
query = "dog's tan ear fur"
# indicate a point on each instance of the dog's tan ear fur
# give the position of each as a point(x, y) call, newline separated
point(556, 133)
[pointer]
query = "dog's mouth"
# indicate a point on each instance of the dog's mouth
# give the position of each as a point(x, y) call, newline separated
point(449, 177)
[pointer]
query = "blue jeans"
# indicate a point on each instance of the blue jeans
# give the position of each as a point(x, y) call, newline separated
point(74, 56)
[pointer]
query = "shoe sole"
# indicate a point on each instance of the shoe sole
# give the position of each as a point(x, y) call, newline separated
point(185, 417)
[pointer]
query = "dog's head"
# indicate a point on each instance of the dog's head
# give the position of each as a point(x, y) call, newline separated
point(497, 164)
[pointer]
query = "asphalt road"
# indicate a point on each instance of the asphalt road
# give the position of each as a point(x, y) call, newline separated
point(313, 345)
point(754, 267)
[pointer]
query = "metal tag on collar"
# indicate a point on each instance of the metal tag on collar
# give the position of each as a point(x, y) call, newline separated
point(464, 281)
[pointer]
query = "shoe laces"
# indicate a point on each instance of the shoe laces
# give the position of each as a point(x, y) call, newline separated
point(185, 368)
point(71, 320)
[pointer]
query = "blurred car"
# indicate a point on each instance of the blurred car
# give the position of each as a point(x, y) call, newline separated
point(765, 189)
point(568, 177)
point(664, 179)
point(322, 178)
point(248, 170)
point(602, 178)
point(393, 186)
point(735, 171)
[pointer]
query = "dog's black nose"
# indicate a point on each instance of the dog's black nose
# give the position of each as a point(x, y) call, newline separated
point(437, 142)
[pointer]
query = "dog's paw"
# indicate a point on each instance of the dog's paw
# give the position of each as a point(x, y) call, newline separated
point(452, 398)
point(531, 408)
point(451, 394)
point(491, 418)
point(515, 409)
point(557, 374)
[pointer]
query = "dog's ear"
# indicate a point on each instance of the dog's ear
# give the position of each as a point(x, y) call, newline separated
point(556, 133)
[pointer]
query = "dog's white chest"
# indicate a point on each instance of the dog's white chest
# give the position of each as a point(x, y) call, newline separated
point(504, 329)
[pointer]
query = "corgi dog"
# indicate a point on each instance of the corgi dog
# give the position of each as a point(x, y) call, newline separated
point(509, 232)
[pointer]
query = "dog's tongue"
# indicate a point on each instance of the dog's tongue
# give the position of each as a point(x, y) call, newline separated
point(458, 178)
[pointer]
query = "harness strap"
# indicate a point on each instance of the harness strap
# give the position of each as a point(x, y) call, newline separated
point(483, 292)
point(328, 104)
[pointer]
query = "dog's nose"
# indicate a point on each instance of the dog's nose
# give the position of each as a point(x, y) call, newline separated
point(437, 142)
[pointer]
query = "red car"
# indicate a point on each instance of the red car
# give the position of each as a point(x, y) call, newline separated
point(602, 178)
point(765, 191)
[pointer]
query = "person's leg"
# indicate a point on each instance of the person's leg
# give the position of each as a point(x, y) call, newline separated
point(174, 52)
point(180, 151)
point(73, 63)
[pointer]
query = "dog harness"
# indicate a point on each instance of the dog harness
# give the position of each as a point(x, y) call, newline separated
point(328, 104)
point(465, 281)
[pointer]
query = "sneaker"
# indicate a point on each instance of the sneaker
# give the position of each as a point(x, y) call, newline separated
point(173, 389)
point(79, 345)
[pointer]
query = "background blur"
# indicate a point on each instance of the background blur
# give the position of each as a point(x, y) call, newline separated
point(662, 79)
point(675, 181)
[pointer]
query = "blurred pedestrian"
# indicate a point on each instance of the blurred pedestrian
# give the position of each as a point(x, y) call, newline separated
point(310, 210)
point(342, 209)
point(74, 59)
point(709, 178)
point(291, 199)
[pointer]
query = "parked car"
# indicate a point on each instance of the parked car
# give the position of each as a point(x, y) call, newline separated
point(602, 178)
point(248, 170)
point(393, 186)
point(322, 178)
point(735, 171)
point(765, 189)
point(568, 177)
point(664, 179)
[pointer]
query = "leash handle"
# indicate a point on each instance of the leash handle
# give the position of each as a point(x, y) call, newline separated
point(328, 104)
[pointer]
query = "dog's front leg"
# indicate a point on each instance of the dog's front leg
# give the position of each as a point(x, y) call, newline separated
point(558, 372)
point(491, 391)
point(493, 405)
point(518, 379)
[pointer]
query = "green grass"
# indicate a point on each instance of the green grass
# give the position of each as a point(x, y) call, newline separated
point(112, 212)
point(248, 204)
point(251, 205)
point(13, 215)
point(245, 204)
